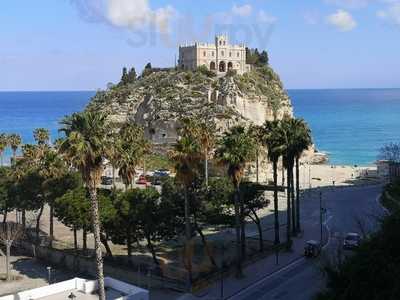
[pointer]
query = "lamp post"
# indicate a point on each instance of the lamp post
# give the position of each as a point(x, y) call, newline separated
point(321, 210)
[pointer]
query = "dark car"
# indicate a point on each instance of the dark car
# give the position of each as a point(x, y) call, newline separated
point(106, 180)
point(351, 241)
point(312, 249)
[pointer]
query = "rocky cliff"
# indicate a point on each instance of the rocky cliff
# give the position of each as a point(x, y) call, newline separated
point(158, 100)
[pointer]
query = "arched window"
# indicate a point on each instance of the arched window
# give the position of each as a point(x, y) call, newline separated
point(222, 66)
point(212, 66)
point(230, 65)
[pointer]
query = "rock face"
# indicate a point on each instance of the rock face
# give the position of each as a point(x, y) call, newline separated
point(157, 101)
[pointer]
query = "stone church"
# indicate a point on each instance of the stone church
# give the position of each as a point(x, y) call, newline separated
point(219, 57)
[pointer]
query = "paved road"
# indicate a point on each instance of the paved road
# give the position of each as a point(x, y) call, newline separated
point(348, 210)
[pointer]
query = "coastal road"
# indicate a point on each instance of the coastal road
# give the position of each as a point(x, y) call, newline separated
point(350, 209)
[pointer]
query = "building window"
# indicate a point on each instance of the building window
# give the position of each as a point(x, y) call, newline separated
point(230, 54)
point(220, 43)
point(204, 54)
point(238, 54)
point(222, 53)
point(224, 43)
point(212, 53)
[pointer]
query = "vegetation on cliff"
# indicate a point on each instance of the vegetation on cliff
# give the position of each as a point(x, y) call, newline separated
point(174, 93)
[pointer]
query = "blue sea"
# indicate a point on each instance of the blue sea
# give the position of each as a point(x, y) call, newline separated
point(349, 125)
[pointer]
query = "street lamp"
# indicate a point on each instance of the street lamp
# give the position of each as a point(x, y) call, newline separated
point(321, 210)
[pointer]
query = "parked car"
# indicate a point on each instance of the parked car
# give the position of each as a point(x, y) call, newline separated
point(312, 249)
point(351, 241)
point(142, 181)
point(106, 180)
point(162, 173)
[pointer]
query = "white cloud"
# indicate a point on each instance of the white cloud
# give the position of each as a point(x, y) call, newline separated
point(350, 4)
point(131, 14)
point(242, 11)
point(391, 13)
point(342, 20)
point(264, 17)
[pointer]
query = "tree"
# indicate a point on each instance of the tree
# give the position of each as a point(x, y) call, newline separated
point(6, 200)
point(73, 210)
point(14, 140)
point(129, 149)
point(303, 140)
point(132, 75)
point(124, 77)
point(126, 223)
point(273, 140)
point(186, 155)
point(154, 219)
point(3, 146)
point(289, 131)
point(84, 146)
point(148, 69)
point(10, 232)
point(257, 132)
point(390, 152)
point(264, 59)
point(253, 195)
point(55, 187)
point(42, 136)
point(206, 135)
point(235, 150)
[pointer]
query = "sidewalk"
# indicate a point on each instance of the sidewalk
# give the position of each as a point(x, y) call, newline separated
point(267, 266)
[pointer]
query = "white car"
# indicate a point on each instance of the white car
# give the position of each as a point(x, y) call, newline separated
point(351, 241)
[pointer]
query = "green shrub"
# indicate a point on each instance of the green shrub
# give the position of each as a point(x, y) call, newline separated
point(205, 71)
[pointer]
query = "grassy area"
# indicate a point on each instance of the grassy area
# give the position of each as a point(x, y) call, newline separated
point(158, 161)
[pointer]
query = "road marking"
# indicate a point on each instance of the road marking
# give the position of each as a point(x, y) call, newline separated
point(263, 279)
point(329, 232)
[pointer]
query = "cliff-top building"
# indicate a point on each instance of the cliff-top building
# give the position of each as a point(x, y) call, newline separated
point(219, 57)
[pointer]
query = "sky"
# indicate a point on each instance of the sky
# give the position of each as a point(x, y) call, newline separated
point(83, 44)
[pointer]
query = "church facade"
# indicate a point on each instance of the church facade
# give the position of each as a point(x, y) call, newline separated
point(219, 57)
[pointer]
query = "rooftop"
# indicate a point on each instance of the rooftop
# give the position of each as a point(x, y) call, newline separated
point(111, 294)
point(82, 289)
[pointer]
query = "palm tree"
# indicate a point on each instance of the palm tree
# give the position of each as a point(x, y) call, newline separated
point(273, 140)
point(3, 146)
point(52, 168)
point(128, 150)
point(42, 136)
point(206, 134)
point(187, 154)
point(289, 158)
point(257, 133)
point(113, 151)
point(235, 150)
point(14, 140)
point(303, 142)
point(84, 146)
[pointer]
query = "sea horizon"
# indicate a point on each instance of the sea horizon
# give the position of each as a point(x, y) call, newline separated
point(288, 89)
